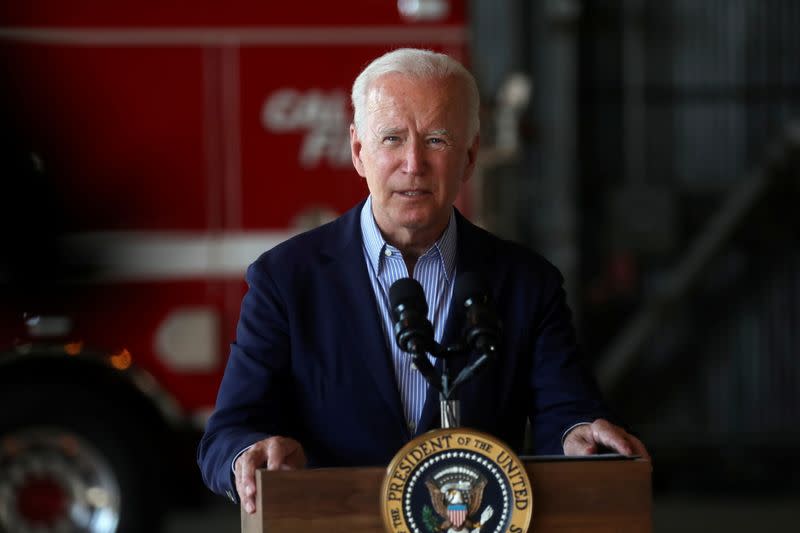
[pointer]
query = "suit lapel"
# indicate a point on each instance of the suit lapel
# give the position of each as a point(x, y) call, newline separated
point(364, 332)
point(472, 256)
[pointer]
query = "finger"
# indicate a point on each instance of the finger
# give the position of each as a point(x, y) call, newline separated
point(248, 474)
point(279, 452)
point(611, 436)
point(245, 497)
point(577, 449)
point(293, 461)
point(246, 481)
point(579, 441)
point(297, 458)
point(275, 453)
point(284, 451)
point(239, 481)
point(639, 448)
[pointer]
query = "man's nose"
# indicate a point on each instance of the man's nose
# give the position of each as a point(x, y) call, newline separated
point(414, 155)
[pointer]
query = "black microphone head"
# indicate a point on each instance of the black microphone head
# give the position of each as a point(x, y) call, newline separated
point(482, 326)
point(412, 329)
point(470, 288)
point(407, 292)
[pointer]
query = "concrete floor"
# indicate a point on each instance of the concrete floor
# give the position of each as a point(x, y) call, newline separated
point(219, 517)
point(672, 513)
point(695, 514)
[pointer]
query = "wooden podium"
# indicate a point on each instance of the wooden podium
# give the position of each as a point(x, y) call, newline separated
point(575, 494)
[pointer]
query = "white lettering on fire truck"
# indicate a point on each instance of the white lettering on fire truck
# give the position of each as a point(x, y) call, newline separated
point(323, 116)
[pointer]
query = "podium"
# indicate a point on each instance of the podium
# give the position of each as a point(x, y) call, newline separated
point(595, 494)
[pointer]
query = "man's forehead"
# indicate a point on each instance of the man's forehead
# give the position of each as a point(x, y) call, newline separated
point(425, 96)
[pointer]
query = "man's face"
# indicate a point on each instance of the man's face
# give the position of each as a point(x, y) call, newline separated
point(414, 152)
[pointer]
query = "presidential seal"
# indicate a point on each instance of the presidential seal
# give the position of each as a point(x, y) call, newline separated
point(456, 481)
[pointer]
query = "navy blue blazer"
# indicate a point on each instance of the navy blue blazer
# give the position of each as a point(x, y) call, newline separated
point(310, 360)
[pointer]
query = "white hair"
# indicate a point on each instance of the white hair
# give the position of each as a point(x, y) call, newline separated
point(421, 64)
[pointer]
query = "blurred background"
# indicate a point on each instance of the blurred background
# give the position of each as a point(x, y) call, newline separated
point(150, 151)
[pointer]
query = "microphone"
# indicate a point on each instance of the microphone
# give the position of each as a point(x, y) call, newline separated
point(482, 328)
point(412, 329)
point(482, 325)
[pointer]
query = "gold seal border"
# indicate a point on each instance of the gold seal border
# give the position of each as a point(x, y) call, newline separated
point(437, 441)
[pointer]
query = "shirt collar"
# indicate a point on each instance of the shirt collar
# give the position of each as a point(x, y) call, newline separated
point(376, 246)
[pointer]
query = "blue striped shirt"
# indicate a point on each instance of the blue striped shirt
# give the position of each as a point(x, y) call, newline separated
point(435, 271)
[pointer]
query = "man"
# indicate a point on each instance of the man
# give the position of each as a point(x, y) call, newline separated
point(315, 376)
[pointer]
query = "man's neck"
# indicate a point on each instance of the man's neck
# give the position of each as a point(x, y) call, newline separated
point(413, 245)
point(411, 242)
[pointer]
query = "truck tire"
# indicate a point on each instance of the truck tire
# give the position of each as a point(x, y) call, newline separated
point(76, 461)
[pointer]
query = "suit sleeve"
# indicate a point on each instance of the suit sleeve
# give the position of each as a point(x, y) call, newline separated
point(254, 398)
point(563, 388)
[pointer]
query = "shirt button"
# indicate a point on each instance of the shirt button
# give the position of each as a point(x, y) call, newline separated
point(414, 367)
point(387, 252)
point(412, 427)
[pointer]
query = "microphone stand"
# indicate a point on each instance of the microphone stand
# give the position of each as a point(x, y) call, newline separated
point(450, 409)
point(449, 405)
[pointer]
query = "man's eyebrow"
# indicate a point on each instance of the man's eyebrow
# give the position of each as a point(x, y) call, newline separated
point(396, 131)
point(390, 131)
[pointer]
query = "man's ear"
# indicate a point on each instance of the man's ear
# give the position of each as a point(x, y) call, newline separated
point(355, 151)
point(472, 158)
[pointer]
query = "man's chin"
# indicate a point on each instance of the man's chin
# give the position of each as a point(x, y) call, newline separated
point(415, 221)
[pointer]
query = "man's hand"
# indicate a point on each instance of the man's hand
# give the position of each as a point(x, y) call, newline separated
point(587, 439)
point(276, 453)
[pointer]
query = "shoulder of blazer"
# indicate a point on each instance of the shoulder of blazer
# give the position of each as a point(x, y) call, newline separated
point(339, 236)
point(479, 249)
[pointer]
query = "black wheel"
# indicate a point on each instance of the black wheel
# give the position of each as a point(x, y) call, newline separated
point(77, 461)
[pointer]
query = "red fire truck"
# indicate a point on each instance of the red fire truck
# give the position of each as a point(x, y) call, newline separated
point(151, 152)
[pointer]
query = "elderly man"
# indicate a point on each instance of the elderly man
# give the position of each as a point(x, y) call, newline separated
point(315, 375)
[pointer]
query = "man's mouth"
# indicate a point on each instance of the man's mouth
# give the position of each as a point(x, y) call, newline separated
point(413, 193)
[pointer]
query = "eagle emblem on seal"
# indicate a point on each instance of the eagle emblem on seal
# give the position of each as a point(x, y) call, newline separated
point(456, 493)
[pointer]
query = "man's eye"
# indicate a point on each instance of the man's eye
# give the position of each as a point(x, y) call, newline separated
point(391, 139)
point(436, 141)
